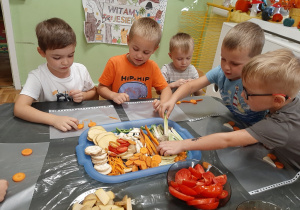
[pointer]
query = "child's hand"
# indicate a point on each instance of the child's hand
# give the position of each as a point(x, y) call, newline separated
point(156, 104)
point(3, 188)
point(77, 95)
point(180, 82)
point(120, 98)
point(168, 106)
point(65, 123)
point(170, 147)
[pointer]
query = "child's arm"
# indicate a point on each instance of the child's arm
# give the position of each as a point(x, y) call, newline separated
point(181, 92)
point(3, 188)
point(107, 93)
point(165, 96)
point(210, 142)
point(79, 96)
point(199, 93)
point(25, 111)
point(177, 83)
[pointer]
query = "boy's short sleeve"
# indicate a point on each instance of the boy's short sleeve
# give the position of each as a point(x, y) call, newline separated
point(88, 83)
point(108, 74)
point(214, 74)
point(159, 82)
point(270, 133)
point(165, 72)
point(194, 72)
point(32, 87)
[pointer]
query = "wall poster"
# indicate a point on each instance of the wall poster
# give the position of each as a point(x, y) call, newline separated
point(109, 21)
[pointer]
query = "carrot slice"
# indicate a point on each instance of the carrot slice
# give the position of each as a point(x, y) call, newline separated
point(129, 162)
point(134, 158)
point(144, 150)
point(231, 123)
point(137, 154)
point(91, 124)
point(80, 126)
point(134, 168)
point(279, 165)
point(143, 157)
point(131, 142)
point(18, 177)
point(178, 102)
point(148, 161)
point(154, 164)
point(206, 165)
point(235, 128)
point(272, 156)
point(26, 152)
point(193, 101)
point(143, 165)
point(156, 158)
point(138, 162)
point(184, 101)
point(199, 100)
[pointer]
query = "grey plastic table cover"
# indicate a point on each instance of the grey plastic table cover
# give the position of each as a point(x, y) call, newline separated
point(62, 179)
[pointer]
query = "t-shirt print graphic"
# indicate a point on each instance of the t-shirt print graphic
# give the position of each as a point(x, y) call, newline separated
point(64, 96)
point(135, 90)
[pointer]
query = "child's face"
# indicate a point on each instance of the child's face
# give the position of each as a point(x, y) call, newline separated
point(59, 60)
point(140, 50)
point(258, 103)
point(180, 59)
point(233, 61)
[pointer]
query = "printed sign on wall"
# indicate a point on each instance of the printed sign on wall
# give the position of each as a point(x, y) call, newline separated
point(109, 21)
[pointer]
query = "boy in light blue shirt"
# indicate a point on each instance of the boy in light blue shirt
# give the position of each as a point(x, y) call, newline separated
point(240, 44)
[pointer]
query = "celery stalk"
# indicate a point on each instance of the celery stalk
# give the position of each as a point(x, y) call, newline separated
point(166, 126)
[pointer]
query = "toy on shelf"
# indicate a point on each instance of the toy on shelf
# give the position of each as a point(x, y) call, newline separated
point(277, 17)
point(243, 5)
point(255, 7)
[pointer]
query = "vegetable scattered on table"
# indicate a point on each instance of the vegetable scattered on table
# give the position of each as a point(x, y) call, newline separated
point(18, 177)
point(192, 101)
point(26, 152)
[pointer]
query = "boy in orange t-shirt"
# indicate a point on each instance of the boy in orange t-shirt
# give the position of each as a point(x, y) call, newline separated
point(132, 75)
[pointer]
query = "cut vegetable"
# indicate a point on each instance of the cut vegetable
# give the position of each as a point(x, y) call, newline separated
point(26, 152)
point(279, 165)
point(166, 126)
point(272, 156)
point(18, 177)
point(268, 160)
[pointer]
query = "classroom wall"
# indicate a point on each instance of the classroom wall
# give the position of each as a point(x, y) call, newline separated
point(26, 14)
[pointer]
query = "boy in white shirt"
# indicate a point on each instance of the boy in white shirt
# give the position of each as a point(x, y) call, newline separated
point(57, 80)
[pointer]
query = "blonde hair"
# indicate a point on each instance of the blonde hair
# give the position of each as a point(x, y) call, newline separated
point(54, 33)
point(182, 41)
point(279, 70)
point(147, 28)
point(245, 36)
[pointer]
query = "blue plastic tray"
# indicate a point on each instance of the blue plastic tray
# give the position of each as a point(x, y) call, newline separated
point(85, 160)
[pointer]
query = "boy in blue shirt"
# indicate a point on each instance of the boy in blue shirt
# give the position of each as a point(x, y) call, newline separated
point(240, 44)
point(270, 82)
